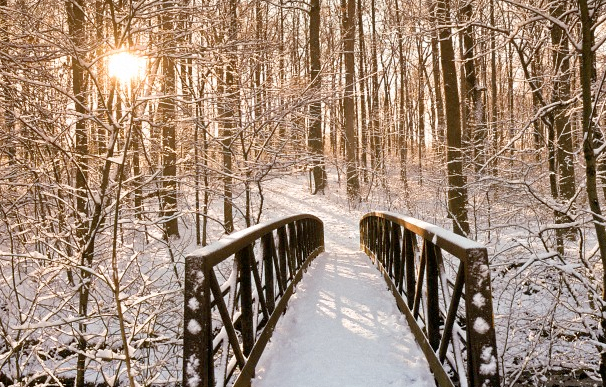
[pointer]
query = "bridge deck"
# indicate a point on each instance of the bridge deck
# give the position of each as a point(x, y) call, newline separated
point(342, 328)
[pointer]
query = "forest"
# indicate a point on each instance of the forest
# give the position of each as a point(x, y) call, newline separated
point(134, 131)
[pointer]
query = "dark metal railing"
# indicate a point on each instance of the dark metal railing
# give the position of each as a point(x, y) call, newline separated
point(458, 338)
point(229, 322)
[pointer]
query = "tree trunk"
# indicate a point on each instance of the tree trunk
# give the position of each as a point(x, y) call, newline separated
point(5, 95)
point(457, 191)
point(375, 140)
point(136, 143)
point(493, 85)
point(363, 97)
point(439, 104)
point(586, 74)
point(537, 134)
point(473, 99)
point(316, 144)
point(229, 117)
point(510, 93)
point(349, 104)
point(76, 20)
point(401, 127)
point(561, 117)
point(166, 111)
point(421, 108)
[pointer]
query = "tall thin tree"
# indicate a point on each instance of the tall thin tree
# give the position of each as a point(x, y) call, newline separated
point(230, 111)
point(315, 139)
point(166, 111)
point(457, 190)
point(473, 100)
point(586, 71)
point(76, 21)
point(349, 104)
point(561, 119)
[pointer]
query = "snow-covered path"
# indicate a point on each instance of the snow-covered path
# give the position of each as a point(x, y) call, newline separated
point(342, 326)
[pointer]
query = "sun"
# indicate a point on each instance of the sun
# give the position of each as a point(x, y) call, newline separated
point(125, 66)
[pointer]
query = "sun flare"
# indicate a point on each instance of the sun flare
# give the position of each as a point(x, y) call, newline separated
point(125, 66)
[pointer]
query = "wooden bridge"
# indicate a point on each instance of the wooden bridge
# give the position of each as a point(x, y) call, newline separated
point(440, 281)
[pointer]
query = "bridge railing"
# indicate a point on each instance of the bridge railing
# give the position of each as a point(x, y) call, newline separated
point(430, 271)
point(235, 291)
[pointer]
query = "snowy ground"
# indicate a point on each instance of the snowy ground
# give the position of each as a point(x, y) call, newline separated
point(342, 326)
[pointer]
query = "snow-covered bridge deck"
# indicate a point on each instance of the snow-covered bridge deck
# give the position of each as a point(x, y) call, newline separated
point(342, 328)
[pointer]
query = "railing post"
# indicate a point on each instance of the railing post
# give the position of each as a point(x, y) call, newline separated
point(245, 259)
point(270, 297)
point(320, 235)
point(299, 242)
point(198, 369)
point(481, 342)
point(381, 246)
point(311, 240)
point(375, 236)
point(379, 240)
point(419, 283)
point(388, 250)
point(409, 254)
point(281, 232)
point(301, 238)
point(372, 232)
point(433, 299)
point(292, 247)
point(304, 240)
point(312, 236)
point(363, 234)
point(369, 233)
point(392, 249)
point(397, 254)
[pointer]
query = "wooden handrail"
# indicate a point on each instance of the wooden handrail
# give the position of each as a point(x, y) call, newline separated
point(446, 331)
point(228, 323)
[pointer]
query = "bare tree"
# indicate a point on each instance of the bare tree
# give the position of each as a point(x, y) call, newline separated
point(315, 138)
point(586, 68)
point(349, 105)
point(75, 20)
point(166, 110)
point(457, 191)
